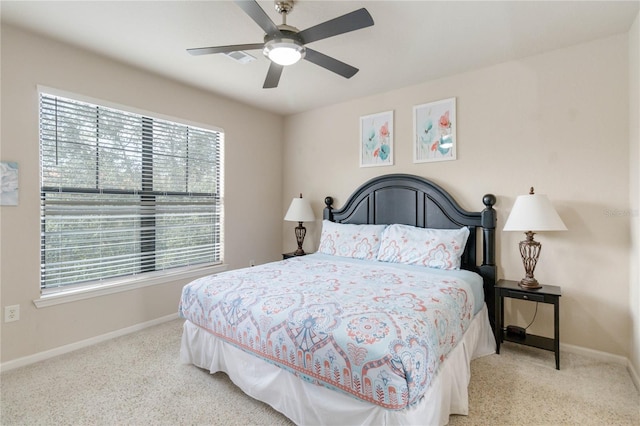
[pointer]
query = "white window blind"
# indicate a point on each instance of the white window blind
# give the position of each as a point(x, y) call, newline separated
point(124, 194)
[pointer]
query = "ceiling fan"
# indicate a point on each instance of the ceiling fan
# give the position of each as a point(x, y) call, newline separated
point(285, 45)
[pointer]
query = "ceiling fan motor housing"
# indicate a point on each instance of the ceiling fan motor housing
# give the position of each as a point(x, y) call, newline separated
point(285, 48)
point(289, 41)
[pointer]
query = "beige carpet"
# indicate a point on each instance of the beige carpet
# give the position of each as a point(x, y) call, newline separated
point(137, 380)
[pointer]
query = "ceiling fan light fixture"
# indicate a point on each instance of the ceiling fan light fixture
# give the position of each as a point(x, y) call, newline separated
point(284, 51)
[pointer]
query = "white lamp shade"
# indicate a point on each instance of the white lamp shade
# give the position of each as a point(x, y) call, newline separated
point(299, 211)
point(533, 212)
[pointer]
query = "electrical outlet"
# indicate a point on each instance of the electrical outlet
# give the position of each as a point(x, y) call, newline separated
point(11, 313)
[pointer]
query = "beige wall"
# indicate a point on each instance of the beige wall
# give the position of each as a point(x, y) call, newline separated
point(559, 122)
point(634, 194)
point(253, 185)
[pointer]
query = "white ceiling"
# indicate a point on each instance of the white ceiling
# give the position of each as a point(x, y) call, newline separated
point(411, 41)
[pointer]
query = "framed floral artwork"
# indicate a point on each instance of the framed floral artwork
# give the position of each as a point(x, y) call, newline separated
point(376, 139)
point(8, 183)
point(434, 127)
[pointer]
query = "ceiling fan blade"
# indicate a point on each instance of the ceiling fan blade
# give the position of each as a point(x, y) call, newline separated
point(224, 49)
point(273, 76)
point(343, 24)
point(253, 9)
point(339, 67)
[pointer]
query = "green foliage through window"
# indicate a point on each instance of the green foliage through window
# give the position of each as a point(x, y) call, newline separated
point(124, 194)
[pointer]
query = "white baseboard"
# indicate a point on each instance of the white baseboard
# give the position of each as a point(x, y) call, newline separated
point(604, 356)
point(592, 353)
point(41, 356)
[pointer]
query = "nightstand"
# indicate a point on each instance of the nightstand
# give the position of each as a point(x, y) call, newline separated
point(286, 256)
point(546, 294)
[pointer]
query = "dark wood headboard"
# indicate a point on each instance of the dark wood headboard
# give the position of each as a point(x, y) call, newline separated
point(416, 201)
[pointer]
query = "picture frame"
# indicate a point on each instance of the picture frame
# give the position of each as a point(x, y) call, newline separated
point(434, 131)
point(376, 139)
point(8, 183)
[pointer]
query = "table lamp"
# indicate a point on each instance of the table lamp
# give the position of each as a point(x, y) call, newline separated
point(300, 211)
point(532, 213)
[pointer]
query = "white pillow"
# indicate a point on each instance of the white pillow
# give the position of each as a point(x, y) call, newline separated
point(435, 248)
point(356, 241)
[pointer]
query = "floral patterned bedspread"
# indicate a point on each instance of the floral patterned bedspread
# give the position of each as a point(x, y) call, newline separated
point(376, 332)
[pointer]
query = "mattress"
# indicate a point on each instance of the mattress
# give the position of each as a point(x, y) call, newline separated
point(375, 331)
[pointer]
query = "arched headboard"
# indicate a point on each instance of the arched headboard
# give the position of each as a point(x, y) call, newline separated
point(416, 201)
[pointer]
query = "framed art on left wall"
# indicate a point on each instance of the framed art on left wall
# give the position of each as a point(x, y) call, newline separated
point(8, 183)
point(376, 139)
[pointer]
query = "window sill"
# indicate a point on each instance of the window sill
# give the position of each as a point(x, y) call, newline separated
point(73, 295)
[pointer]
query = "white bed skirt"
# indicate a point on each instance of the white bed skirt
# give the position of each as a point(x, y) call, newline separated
point(309, 404)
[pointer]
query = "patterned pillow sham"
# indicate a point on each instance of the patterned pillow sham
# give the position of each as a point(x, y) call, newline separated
point(435, 248)
point(356, 241)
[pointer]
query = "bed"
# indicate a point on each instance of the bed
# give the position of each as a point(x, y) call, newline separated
point(374, 328)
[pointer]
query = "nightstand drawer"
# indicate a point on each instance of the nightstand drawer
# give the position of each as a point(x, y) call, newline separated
point(526, 296)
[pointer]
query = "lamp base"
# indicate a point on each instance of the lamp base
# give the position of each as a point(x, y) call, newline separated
point(301, 231)
point(529, 283)
point(529, 251)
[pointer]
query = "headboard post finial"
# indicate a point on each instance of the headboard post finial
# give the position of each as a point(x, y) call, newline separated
point(489, 200)
point(327, 214)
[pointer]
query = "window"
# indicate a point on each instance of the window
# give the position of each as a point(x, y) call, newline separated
point(124, 193)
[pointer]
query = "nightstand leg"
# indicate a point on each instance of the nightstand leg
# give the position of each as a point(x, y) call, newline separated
point(556, 337)
point(497, 332)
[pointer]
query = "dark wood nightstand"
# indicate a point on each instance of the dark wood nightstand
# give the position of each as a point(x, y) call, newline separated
point(286, 256)
point(546, 294)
